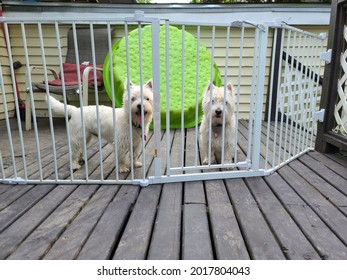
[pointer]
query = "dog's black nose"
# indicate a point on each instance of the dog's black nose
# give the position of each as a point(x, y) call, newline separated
point(218, 112)
point(139, 107)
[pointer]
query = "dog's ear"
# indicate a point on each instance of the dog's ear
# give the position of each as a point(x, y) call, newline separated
point(131, 84)
point(149, 84)
point(208, 88)
point(230, 89)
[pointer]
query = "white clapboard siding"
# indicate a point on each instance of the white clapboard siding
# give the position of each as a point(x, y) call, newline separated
point(51, 56)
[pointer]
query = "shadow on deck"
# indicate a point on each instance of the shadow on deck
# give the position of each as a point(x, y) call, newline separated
point(299, 212)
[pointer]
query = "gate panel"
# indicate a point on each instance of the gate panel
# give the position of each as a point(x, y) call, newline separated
point(294, 94)
point(45, 153)
point(171, 151)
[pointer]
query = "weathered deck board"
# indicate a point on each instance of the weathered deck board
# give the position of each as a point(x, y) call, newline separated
point(225, 231)
point(166, 238)
point(259, 240)
point(327, 244)
point(193, 191)
point(299, 212)
point(13, 235)
point(71, 246)
point(44, 236)
point(330, 176)
point(330, 164)
point(292, 241)
point(196, 240)
point(326, 211)
point(134, 242)
point(195, 224)
point(102, 241)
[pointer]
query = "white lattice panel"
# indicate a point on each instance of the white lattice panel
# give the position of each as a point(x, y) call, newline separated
point(340, 112)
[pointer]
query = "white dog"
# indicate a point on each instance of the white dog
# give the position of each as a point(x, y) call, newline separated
point(106, 124)
point(216, 108)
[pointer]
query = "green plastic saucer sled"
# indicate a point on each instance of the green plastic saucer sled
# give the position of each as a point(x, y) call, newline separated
point(175, 71)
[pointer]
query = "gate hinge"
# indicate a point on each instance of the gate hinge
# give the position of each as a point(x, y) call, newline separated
point(142, 182)
point(326, 56)
point(139, 16)
point(244, 164)
point(319, 115)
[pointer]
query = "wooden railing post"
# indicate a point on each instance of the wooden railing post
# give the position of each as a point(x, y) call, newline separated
point(327, 140)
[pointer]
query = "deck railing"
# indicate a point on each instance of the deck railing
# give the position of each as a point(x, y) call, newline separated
point(332, 133)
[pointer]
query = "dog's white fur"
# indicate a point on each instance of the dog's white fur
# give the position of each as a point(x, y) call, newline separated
point(216, 108)
point(106, 124)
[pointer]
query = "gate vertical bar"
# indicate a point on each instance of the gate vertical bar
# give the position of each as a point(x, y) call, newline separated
point(196, 153)
point(253, 94)
point(8, 126)
point(182, 101)
point(141, 95)
point(272, 89)
point(114, 118)
point(60, 56)
point(242, 40)
point(37, 142)
point(15, 94)
point(156, 92)
point(167, 90)
point(50, 115)
point(263, 33)
point(127, 61)
point(92, 42)
point(83, 126)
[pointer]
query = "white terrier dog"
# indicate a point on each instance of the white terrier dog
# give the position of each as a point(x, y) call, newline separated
point(106, 124)
point(215, 109)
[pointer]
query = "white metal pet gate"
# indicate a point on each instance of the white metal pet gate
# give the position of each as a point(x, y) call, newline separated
point(282, 75)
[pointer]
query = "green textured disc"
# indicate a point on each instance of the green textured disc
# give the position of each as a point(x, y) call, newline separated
point(175, 71)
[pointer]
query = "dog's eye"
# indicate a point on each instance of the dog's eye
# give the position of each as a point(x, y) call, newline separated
point(147, 98)
point(212, 101)
point(226, 102)
point(133, 99)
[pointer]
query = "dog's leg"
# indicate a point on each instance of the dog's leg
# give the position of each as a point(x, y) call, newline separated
point(229, 148)
point(228, 153)
point(123, 164)
point(233, 149)
point(213, 156)
point(204, 151)
point(76, 157)
point(137, 152)
point(76, 146)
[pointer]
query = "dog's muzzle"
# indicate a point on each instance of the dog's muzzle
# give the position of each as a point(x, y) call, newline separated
point(138, 122)
point(218, 113)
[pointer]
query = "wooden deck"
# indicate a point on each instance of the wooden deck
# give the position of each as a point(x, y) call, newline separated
point(299, 212)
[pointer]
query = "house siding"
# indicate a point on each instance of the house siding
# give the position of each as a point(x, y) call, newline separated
point(51, 55)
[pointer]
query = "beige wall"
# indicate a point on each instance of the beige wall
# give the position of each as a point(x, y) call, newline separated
point(51, 55)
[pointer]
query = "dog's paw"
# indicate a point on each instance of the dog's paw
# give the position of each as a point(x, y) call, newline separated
point(76, 166)
point(205, 161)
point(123, 169)
point(137, 164)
